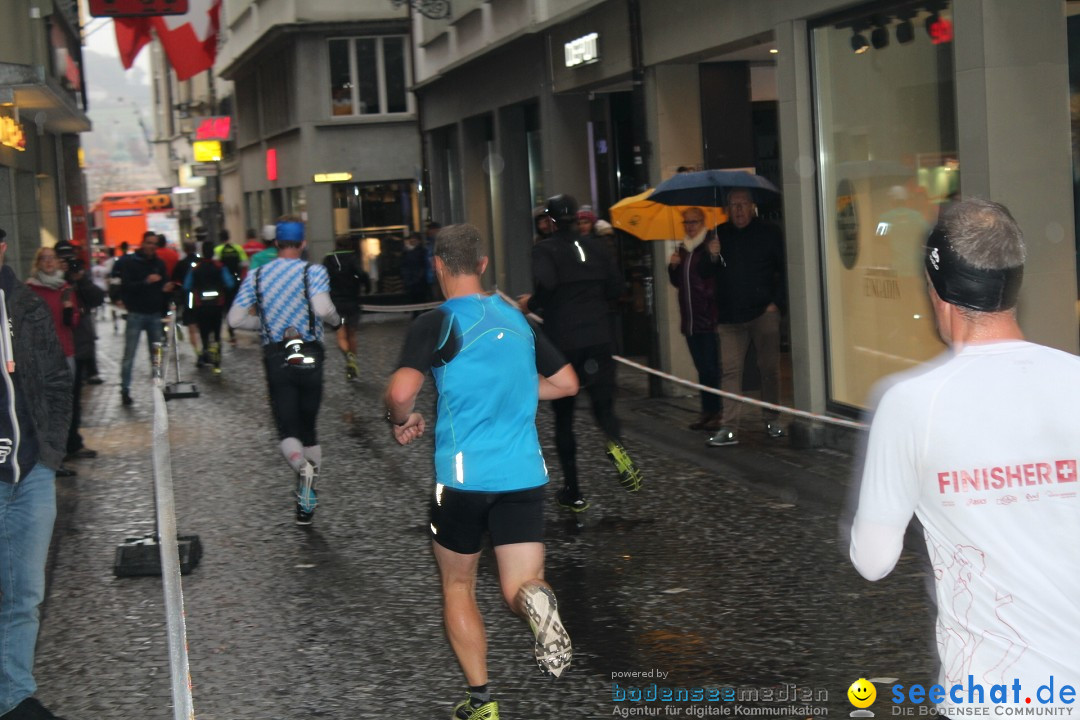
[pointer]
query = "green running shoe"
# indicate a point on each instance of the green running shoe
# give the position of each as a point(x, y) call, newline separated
point(465, 711)
point(629, 475)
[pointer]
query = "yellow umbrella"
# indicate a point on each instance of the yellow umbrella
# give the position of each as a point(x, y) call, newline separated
point(649, 220)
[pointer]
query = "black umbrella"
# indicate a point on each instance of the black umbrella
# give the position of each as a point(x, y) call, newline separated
point(710, 187)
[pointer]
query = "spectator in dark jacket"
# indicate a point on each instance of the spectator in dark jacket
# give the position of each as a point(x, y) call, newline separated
point(691, 272)
point(142, 291)
point(35, 390)
point(414, 271)
point(748, 258)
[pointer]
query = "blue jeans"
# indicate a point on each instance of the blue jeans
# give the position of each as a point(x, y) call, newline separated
point(136, 323)
point(27, 512)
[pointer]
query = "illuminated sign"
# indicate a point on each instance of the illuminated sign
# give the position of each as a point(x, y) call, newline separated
point(582, 51)
point(214, 128)
point(11, 134)
point(207, 150)
point(941, 31)
point(271, 164)
point(333, 177)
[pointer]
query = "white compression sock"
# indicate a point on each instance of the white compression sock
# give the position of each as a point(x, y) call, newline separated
point(293, 451)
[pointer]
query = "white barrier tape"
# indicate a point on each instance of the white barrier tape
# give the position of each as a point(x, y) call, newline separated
point(179, 668)
point(742, 398)
point(400, 308)
point(731, 396)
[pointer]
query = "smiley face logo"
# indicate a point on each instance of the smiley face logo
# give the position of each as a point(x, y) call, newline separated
point(862, 693)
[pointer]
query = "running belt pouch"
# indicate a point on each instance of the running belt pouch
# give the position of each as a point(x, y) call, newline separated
point(307, 355)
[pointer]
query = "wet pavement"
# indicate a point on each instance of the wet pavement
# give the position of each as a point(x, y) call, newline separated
point(727, 570)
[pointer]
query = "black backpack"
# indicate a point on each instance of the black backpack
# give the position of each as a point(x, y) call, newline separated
point(207, 285)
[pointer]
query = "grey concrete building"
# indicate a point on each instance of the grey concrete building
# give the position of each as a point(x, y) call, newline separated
point(42, 111)
point(326, 121)
point(868, 116)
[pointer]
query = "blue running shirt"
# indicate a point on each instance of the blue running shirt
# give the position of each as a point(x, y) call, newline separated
point(485, 358)
point(281, 284)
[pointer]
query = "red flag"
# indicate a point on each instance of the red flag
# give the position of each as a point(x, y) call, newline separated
point(190, 40)
point(131, 35)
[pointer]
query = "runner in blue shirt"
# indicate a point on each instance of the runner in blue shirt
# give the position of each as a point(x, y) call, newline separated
point(283, 301)
point(490, 367)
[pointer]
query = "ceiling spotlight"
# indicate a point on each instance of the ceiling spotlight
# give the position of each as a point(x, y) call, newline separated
point(859, 44)
point(905, 31)
point(879, 38)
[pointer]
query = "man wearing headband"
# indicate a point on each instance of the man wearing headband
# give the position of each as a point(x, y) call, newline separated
point(983, 447)
point(283, 300)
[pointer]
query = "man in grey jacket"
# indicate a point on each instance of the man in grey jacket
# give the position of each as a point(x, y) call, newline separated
point(35, 412)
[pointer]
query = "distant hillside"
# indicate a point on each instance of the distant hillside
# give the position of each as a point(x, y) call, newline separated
point(118, 156)
point(108, 84)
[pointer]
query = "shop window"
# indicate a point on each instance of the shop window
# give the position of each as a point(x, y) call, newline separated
point(887, 155)
point(369, 76)
point(379, 215)
point(296, 202)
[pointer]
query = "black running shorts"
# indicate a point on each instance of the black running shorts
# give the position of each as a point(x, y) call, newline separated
point(459, 518)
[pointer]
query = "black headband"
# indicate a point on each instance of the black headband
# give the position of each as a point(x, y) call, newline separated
point(958, 282)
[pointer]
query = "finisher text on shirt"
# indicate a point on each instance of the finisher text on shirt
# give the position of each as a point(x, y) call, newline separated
point(1007, 476)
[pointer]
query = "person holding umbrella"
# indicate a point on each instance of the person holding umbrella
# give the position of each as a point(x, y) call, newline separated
point(747, 257)
point(692, 275)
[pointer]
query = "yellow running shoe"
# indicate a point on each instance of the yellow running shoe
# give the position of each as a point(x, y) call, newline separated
point(629, 475)
point(465, 711)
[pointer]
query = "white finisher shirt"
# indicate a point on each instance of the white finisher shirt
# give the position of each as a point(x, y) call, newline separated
point(984, 450)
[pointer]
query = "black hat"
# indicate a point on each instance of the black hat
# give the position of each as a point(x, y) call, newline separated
point(2, 234)
point(562, 208)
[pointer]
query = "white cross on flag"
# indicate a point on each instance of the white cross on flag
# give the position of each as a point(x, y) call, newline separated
point(189, 40)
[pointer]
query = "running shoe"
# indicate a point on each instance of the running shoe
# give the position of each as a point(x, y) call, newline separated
point(352, 370)
point(306, 497)
point(552, 649)
point(724, 436)
point(775, 430)
point(464, 710)
point(629, 475)
point(214, 355)
point(572, 500)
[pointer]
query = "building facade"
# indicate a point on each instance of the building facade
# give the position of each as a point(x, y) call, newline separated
point(326, 123)
point(42, 112)
point(869, 117)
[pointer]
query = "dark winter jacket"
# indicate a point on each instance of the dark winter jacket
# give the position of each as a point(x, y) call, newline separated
point(138, 295)
point(575, 278)
point(414, 268)
point(88, 296)
point(35, 393)
point(695, 281)
point(750, 271)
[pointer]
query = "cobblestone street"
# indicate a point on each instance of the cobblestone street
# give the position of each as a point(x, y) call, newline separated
point(727, 569)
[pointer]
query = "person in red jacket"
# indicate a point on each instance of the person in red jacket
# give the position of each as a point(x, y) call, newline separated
point(48, 281)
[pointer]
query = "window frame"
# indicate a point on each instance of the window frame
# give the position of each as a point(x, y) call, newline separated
point(380, 70)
